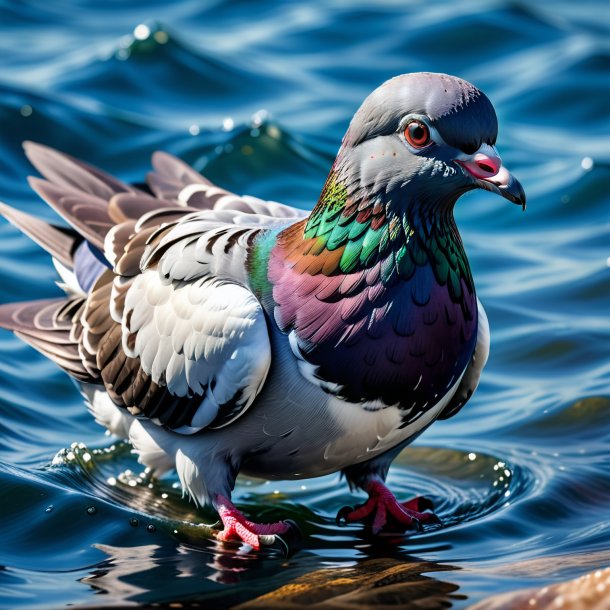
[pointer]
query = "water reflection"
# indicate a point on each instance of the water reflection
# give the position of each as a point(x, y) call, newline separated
point(373, 582)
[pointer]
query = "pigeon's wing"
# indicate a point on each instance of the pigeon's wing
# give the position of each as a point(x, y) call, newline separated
point(175, 181)
point(182, 339)
point(471, 377)
point(166, 320)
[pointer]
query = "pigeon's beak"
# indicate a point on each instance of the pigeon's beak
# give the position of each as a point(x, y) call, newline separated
point(485, 166)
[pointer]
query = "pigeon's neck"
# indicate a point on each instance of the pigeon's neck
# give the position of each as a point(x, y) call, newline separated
point(353, 230)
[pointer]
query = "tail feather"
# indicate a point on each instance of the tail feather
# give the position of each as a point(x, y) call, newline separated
point(87, 213)
point(66, 171)
point(133, 206)
point(171, 176)
point(47, 326)
point(57, 241)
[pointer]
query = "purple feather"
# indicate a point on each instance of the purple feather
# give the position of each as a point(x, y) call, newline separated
point(89, 264)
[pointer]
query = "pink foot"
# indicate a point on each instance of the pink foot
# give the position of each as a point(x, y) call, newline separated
point(382, 506)
point(237, 527)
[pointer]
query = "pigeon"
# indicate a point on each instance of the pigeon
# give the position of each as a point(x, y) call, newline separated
point(222, 334)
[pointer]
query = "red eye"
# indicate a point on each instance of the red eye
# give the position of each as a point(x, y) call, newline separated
point(417, 134)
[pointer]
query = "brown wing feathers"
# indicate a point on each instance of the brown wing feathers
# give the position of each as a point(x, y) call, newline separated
point(83, 334)
point(48, 326)
point(57, 241)
point(171, 175)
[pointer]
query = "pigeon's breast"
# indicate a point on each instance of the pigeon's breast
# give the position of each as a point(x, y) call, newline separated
point(402, 345)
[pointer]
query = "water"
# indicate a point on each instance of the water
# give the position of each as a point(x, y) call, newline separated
point(258, 97)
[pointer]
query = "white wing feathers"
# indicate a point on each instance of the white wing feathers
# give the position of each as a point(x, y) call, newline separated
point(189, 316)
point(191, 320)
point(205, 338)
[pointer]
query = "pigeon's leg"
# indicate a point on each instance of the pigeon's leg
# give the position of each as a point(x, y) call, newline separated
point(382, 509)
point(385, 511)
point(237, 527)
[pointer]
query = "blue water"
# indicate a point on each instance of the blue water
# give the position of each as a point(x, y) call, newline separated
point(258, 96)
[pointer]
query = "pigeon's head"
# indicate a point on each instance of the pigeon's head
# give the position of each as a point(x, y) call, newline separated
point(431, 137)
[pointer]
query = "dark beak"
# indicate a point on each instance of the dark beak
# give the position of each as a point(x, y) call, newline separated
point(488, 172)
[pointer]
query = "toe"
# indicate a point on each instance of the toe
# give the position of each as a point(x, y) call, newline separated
point(380, 518)
point(343, 514)
point(419, 504)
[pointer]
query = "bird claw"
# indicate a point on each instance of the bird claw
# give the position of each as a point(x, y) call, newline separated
point(237, 527)
point(383, 511)
point(419, 504)
point(342, 515)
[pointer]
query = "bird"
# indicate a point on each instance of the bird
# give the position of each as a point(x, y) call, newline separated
point(221, 333)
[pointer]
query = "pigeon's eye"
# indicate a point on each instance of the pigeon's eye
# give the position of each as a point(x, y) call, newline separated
point(417, 134)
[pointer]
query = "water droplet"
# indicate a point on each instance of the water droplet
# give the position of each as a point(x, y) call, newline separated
point(111, 481)
point(259, 117)
point(161, 37)
point(472, 457)
point(587, 164)
point(26, 110)
point(151, 528)
point(194, 130)
point(91, 510)
point(134, 522)
point(141, 32)
point(274, 132)
point(49, 508)
point(228, 123)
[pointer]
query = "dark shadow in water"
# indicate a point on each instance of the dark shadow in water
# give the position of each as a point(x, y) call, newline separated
point(381, 582)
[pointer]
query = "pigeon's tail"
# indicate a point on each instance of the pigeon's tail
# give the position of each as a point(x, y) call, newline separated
point(93, 203)
point(59, 242)
point(49, 326)
point(171, 176)
point(79, 193)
